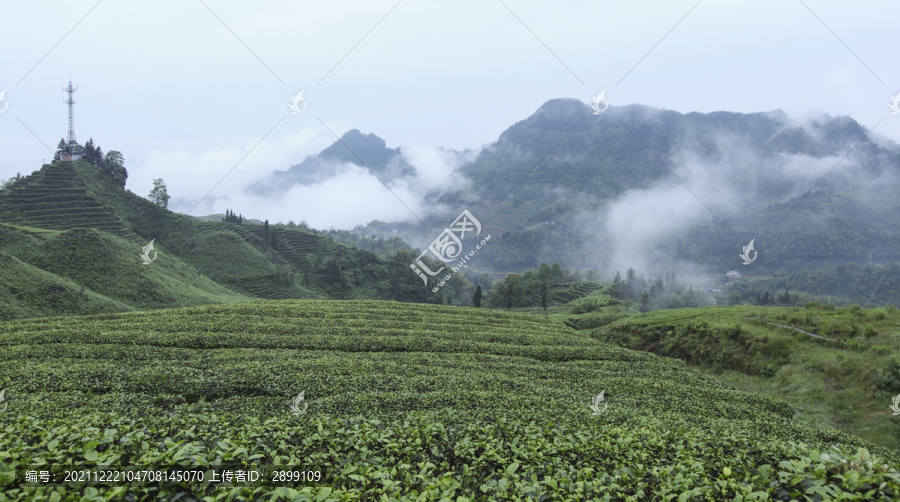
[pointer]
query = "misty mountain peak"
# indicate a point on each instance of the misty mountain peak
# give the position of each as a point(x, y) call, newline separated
point(369, 141)
point(562, 108)
point(354, 147)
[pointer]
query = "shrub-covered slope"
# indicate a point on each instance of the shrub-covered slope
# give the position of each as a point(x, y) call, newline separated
point(28, 291)
point(401, 400)
point(838, 367)
point(88, 271)
point(288, 263)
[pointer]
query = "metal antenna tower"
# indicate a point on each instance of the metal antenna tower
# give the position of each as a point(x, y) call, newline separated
point(71, 101)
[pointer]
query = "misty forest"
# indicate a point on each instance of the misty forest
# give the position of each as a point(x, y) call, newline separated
point(604, 301)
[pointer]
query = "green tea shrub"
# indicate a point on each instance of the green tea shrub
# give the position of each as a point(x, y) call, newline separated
point(584, 307)
point(888, 379)
point(854, 345)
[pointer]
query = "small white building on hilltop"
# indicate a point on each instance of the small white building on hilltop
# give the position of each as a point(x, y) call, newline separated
point(734, 274)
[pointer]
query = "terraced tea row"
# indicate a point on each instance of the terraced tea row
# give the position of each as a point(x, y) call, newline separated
point(265, 289)
point(562, 293)
point(54, 198)
point(399, 400)
point(302, 250)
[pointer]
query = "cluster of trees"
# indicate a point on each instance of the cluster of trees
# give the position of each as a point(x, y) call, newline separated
point(668, 293)
point(516, 290)
point(869, 284)
point(766, 299)
point(230, 217)
point(661, 293)
point(378, 245)
point(872, 284)
point(112, 164)
point(8, 183)
point(269, 234)
point(751, 294)
point(331, 270)
point(633, 286)
point(408, 285)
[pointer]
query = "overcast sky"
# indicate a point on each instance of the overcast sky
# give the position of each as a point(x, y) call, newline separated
point(185, 89)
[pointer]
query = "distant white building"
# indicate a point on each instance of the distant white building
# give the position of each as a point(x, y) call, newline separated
point(734, 274)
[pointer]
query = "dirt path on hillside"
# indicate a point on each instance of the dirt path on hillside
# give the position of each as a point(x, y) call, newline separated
point(797, 329)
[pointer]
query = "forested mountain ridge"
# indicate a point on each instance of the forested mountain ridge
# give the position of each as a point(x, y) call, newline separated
point(666, 190)
point(660, 190)
point(604, 179)
point(615, 151)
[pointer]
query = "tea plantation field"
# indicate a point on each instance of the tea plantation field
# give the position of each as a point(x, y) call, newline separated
point(401, 402)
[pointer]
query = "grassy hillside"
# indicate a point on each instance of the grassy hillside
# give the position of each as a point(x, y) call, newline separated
point(87, 271)
point(401, 400)
point(290, 264)
point(27, 291)
point(74, 226)
point(845, 381)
